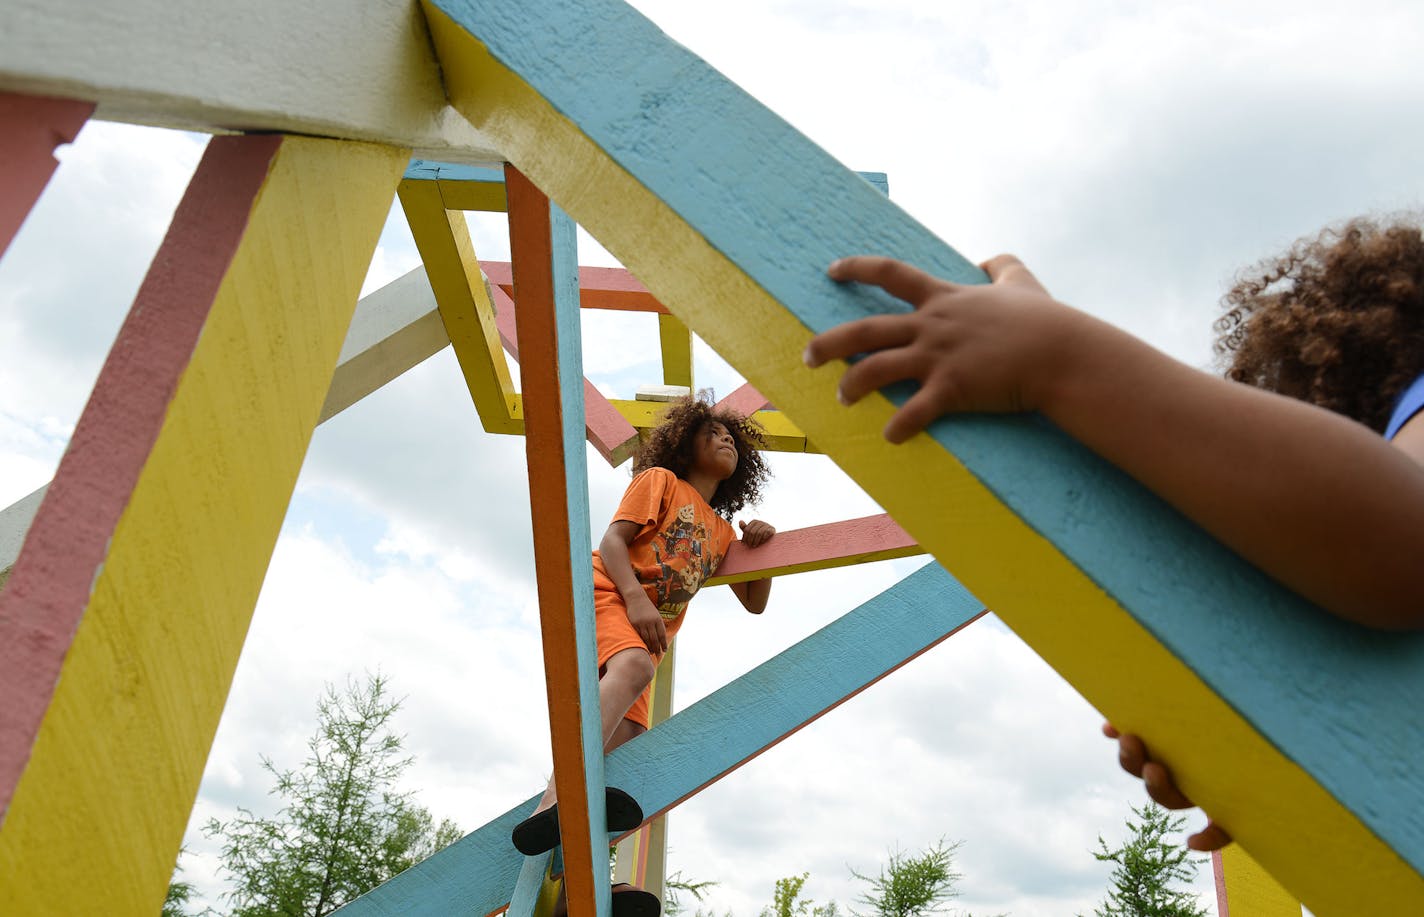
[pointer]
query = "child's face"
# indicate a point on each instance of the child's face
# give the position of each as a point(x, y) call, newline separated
point(715, 451)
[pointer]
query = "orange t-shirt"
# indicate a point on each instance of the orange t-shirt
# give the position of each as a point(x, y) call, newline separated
point(681, 542)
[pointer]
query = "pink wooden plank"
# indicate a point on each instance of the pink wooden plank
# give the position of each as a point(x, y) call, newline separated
point(49, 585)
point(599, 288)
point(1218, 872)
point(815, 547)
point(31, 127)
point(745, 401)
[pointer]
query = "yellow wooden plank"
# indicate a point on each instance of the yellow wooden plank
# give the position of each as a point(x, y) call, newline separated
point(676, 342)
point(465, 307)
point(1250, 890)
point(97, 817)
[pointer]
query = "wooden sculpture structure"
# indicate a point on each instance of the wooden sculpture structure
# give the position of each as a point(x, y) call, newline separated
point(1297, 731)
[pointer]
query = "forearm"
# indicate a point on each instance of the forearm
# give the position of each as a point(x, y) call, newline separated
point(758, 591)
point(1321, 503)
point(619, 566)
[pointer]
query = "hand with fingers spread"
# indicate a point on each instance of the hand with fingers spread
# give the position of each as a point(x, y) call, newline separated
point(996, 347)
point(1132, 755)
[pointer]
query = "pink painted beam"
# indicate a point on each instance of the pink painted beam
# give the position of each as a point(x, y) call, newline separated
point(610, 288)
point(31, 127)
point(607, 429)
point(745, 401)
point(819, 547)
point(49, 586)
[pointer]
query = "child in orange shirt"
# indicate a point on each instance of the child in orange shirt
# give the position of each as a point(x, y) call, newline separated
point(671, 531)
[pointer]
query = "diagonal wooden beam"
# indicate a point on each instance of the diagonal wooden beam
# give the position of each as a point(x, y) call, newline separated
point(818, 547)
point(612, 288)
point(542, 243)
point(31, 127)
point(709, 740)
point(1276, 708)
point(122, 621)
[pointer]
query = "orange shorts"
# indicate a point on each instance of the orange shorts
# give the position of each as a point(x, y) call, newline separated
point(615, 633)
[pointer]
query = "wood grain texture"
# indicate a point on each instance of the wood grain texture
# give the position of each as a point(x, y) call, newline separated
point(612, 288)
point(817, 547)
point(318, 68)
point(682, 193)
point(466, 310)
point(708, 740)
point(31, 127)
point(152, 543)
point(745, 400)
point(1244, 889)
point(675, 345)
point(542, 245)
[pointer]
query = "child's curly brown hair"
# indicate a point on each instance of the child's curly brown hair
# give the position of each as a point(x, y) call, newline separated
point(671, 443)
point(1337, 321)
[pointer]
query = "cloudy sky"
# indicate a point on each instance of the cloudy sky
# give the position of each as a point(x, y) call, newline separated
point(1134, 154)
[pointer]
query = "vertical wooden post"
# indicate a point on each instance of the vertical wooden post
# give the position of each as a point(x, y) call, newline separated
point(543, 247)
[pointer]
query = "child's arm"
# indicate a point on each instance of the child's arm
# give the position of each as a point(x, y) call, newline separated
point(754, 594)
point(642, 613)
point(1318, 501)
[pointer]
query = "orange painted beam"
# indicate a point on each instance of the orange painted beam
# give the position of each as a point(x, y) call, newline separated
point(31, 127)
point(604, 425)
point(818, 547)
point(612, 288)
point(549, 366)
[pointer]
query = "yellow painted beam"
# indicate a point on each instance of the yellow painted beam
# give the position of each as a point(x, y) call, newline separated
point(676, 343)
point(97, 816)
point(781, 434)
point(1245, 889)
point(464, 301)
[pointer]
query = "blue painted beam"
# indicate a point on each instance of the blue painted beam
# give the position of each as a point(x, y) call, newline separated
point(706, 741)
point(1320, 705)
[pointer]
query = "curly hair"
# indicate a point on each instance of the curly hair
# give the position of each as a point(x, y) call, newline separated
point(1337, 321)
point(671, 445)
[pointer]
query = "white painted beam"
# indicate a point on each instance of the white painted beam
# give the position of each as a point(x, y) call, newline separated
point(331, 68)
point(393, 330)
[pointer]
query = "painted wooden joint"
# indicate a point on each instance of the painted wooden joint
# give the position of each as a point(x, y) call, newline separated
point(611, 288)
point(818, 547)
point(462, 187)
point(746, 400)
point(463, 299)
point(604, 426)
point(31, 128)
point(545, 259)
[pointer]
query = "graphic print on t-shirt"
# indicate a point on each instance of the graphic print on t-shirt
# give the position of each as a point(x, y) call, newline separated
point(683, 562)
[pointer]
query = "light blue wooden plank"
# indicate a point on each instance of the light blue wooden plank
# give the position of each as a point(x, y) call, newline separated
point(707, 740)
point(564, 248)
point(1338, 700)
point(430, 170)
point(879, 179)
point(528, 886)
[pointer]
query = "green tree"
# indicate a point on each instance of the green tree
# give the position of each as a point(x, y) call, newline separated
point(911, 886)
point(1147, 866)
point(787, 901)
point(675, 885)
point(343, 827)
